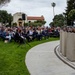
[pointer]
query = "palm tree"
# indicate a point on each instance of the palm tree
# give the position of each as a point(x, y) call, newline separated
point(53, 5)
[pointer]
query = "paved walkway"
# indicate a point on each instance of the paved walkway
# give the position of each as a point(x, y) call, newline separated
point(41, 60)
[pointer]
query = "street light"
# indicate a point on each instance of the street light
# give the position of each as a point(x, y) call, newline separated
point(53, 5)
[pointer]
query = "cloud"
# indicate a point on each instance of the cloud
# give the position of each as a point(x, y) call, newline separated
point(36, 8)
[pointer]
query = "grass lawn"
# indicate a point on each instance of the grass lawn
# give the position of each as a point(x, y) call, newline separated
point(12, 58)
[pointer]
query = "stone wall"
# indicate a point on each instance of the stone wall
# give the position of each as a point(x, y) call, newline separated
point(67, 45)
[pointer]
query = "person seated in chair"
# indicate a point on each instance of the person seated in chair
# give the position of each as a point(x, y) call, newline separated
point(18, 37)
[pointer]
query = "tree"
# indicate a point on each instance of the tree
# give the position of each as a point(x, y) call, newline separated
point(51, 24)
point(40, 22)
point(15, 24)
point(3, 2)
point(71, 15)
point(58, 20)
point(70, 6)
point(5, 17)
point(25, 24)
point(10, 19)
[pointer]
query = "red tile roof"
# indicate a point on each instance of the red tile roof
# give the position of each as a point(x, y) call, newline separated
point(35, 18)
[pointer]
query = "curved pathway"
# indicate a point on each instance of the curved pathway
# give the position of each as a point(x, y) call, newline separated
point(41, 60)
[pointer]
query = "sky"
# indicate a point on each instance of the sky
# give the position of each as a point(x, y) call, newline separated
point(36, 8)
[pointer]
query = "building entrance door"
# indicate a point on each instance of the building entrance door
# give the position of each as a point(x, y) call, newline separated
point(20, 24)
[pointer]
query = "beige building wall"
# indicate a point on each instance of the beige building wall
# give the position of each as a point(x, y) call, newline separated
point(18, 16)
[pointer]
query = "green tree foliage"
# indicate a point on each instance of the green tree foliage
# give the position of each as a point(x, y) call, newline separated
point(26, 24)
point(39, 23)
point(58, 20)
point(71, 15)
point(70, 6)
point(3, 2)
point(14, 24)
point(5, 17)
point(51, 24)
point(35, 23)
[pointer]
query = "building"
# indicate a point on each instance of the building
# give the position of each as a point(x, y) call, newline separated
point(21, 18)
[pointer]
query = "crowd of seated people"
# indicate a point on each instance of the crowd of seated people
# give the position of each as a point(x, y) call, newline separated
point(29, 33)
point(68, 29)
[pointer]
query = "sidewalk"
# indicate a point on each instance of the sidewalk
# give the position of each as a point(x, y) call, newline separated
point(41, 60)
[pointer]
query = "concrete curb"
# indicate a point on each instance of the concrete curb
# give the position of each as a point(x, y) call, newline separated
point(64, 59)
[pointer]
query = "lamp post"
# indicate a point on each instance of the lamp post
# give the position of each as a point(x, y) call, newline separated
point(53, 5)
